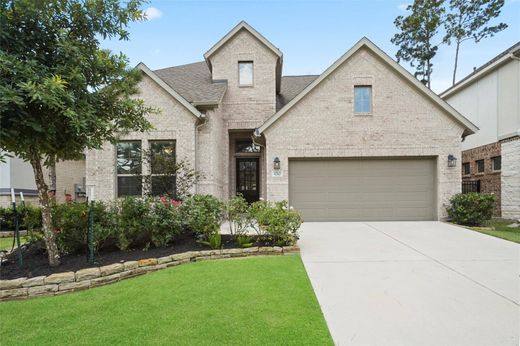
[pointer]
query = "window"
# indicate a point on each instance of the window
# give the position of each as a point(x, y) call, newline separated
point(245, 73)
point(466, 168)
point(163, 168)
point(129, 181)
point(246, 147)
point(496, 163)
point(480, 166)
point(363, 99)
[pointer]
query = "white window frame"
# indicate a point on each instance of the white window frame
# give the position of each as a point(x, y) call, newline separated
point(493, 163)
point(240, 84)
point(370, 99)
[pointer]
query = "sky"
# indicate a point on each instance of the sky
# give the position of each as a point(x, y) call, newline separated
point(312, 34)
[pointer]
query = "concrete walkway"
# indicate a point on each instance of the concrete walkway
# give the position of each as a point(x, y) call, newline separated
point(413, 283)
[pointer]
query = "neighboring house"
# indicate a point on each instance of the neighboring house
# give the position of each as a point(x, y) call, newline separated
point(18, 174)
point(490, 98)
point(362, 141)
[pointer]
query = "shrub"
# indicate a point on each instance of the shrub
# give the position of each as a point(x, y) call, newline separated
point(29, 218)
point(203, 214)
point(471, 208)
point(278, 222)
point(238, 215)
point(145, 221)
point(70, 225)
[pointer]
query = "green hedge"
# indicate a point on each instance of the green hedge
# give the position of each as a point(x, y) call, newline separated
point(143, 222)
point(471, 208)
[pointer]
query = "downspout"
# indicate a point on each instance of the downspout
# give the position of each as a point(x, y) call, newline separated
point(196, 142)
point(253, 137)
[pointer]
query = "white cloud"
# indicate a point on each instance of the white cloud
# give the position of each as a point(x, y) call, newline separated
point(152, 13)
point(403, 7)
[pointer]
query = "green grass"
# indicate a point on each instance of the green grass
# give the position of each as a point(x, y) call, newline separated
point(7, 243)
point(249, 301)
point(501, 230)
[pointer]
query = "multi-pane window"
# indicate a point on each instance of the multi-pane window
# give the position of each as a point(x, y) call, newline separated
point(246, 146)
point(480, 166)
point(466, 168)
point(129, 168)
point(496, 163)
point(163, 168)
point(362, 99)
point(245, 73)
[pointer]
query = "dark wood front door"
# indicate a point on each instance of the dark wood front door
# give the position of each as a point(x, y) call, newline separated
point(248, 178)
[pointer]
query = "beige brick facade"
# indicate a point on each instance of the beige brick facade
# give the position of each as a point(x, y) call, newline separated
point(403, 123)
point(510, 176)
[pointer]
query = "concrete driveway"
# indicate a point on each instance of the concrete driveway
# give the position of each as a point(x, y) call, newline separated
point(413, 283)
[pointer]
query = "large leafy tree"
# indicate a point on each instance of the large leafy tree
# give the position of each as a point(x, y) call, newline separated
point(60, 93)
point(417, 35)
point(468, 20)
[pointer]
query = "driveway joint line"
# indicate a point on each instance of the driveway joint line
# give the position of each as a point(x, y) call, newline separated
point(442, 264)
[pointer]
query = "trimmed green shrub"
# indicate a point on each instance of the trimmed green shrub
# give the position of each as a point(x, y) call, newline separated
point(471, 208)
point(277, 222)
point(203, 214)
point(30, 218)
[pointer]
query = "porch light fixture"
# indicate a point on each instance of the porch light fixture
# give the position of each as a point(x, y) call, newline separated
point(276, 163)
point(452, 161)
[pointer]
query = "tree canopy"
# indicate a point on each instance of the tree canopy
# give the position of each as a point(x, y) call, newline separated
point(60, 93)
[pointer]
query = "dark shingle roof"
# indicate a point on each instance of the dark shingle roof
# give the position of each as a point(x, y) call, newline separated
point(292, 86)
point(193, 82)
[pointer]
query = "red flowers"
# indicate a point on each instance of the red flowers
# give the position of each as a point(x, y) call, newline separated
point(173, 202)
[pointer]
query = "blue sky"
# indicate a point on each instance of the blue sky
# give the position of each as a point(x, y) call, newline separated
point(312, 34)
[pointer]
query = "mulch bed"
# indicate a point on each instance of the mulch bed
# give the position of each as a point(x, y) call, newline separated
point(36, 262)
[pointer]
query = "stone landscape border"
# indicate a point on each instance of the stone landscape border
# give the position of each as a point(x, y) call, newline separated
point(59, 283)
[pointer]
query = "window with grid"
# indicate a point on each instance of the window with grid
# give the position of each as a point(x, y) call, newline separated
point(363, 99)
point(466, 168)
point(496, 163)
point(480, 166)
point(129, 165)
point(162, 167)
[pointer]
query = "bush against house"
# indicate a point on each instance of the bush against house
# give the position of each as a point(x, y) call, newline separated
point(471, 208)
point(144, 222)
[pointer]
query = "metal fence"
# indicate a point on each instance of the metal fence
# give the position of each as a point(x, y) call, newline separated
point(471, 186)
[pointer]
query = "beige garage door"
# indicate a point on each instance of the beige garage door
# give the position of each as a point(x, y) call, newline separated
point(363, 189)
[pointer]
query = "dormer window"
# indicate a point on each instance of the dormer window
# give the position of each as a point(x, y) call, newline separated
point(245, 73)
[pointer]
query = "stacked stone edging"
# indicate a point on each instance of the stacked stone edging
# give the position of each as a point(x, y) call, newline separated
point(59, 283)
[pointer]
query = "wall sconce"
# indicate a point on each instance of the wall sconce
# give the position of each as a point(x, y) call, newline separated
point(276, 163)
point(452, 161)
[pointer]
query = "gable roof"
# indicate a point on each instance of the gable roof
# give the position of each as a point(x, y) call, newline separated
point(244, 26)
point(491, 65)
point(169, 89)
point(193, 82)
point(470, 128)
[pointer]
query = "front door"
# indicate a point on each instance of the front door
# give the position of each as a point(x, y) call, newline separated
point(248, 178)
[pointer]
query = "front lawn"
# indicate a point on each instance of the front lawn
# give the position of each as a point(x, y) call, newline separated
point(253, 301)
point(500, 230)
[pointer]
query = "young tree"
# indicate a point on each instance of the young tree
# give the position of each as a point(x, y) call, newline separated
point(469, 20)
point(417, 34)
point(60, 93)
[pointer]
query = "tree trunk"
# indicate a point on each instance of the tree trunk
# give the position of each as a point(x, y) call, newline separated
point(456, 62)
point(43, 194)
point(52, 173)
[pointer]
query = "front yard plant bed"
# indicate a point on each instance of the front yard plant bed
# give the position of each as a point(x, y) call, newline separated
point(266, 300)
point(36, 263)
point(64, 282)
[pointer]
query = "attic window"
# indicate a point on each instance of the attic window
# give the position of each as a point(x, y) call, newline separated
point(245, 73)
point(363, 99)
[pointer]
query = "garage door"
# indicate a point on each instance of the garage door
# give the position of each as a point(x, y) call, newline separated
point(363, 189)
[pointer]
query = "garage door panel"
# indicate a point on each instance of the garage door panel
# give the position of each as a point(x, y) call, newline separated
point(378, 189)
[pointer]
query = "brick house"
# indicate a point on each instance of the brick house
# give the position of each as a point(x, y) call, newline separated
point(490, 98)
point(362, 141)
